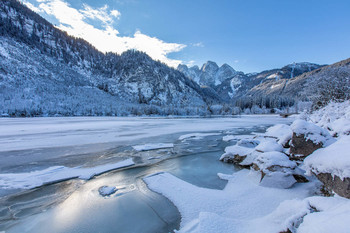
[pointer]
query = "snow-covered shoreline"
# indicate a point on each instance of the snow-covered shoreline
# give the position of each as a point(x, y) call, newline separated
point(264, 199)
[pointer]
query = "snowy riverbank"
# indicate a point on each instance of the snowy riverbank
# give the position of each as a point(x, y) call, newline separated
point(279, 193)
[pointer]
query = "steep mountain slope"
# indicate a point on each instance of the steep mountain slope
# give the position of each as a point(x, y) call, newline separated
point(327, 83)
point(274, 81)
point(210, 74)
point(37, 55)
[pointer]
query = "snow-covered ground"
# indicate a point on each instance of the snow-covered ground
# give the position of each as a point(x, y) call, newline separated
point(266, 198)
point(239, 207)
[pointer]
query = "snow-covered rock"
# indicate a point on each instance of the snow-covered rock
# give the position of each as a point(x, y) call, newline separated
point(268, 146)
point(311, 132)
point(235, 154)
point(332, 166)
point(276, 169)
point(282, 132)
point(274, 161)
point(334, 159)
point(307, 137)
point(280, 180)
point(248, 142)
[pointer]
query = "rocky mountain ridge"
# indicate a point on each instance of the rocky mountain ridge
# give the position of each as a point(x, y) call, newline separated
point(231, 84)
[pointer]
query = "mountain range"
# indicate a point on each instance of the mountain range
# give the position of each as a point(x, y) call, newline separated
point(46, 72)
point(231, 84)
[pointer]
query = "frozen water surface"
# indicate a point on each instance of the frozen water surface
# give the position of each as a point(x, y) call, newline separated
point(36, 144)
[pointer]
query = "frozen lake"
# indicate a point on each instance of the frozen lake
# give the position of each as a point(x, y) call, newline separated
point(37, 153)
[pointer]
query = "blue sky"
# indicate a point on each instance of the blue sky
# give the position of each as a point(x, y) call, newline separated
point(249, 35)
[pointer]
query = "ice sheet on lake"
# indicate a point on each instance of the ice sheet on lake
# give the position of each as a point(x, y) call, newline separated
point(153, 146)
point(38, 178)
point(47, 132)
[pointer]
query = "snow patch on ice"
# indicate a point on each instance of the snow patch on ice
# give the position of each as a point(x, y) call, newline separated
point(153, 146)
point(29, 180)
point(106, 190)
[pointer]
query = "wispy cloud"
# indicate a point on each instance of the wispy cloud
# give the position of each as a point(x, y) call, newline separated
point(74, 22)
point(101, 14)
point(190, 63)
point(199, 44)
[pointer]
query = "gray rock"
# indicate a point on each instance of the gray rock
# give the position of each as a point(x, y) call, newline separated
point(301, 147)
point(236, 159)
point(339, 186)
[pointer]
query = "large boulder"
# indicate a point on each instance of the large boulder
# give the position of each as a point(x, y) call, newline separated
point(301, 147)
point(307, 137)
point(276, 169)
point(331, 165)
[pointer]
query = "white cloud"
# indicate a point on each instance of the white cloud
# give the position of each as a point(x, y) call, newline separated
point(31, 6)
point(100, 14)
point(115, 13)
point(72, 21)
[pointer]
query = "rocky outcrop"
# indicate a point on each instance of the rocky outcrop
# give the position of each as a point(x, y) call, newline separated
point(336, 184)
point(300, 147)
